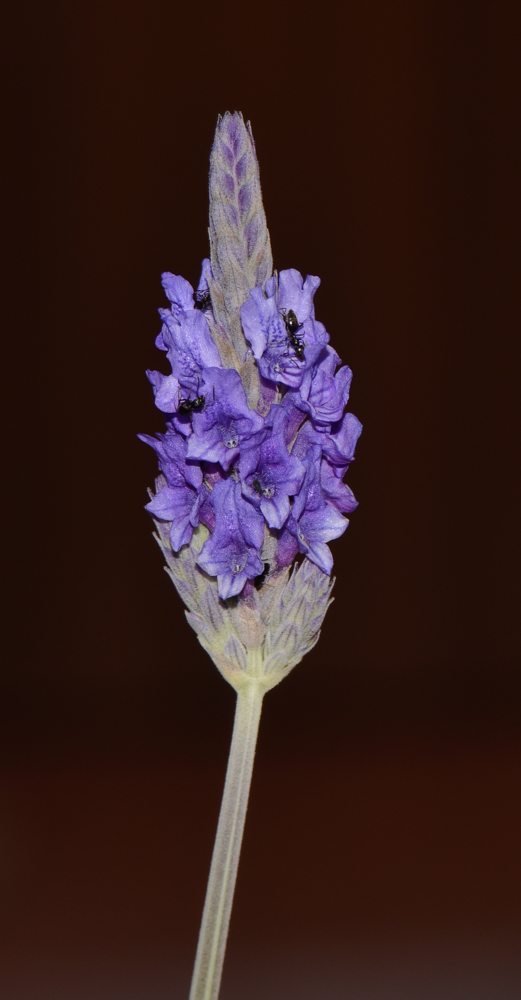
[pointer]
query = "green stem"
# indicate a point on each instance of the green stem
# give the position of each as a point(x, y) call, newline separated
point(223, 871)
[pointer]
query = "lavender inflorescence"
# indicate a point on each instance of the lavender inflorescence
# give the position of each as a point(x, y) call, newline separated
point(257, 439)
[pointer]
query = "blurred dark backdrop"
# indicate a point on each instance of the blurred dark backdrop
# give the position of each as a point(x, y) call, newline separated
point(382, 847)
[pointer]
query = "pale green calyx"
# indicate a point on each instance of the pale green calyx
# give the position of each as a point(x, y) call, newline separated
point(261, 637)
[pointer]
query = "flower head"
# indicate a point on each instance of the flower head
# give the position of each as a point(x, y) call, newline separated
point(257, 439)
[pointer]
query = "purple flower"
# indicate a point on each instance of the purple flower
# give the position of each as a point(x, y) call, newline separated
point(287, 549)
point(180, 505)
point(167, 391)
point(189, 346)
point(269, 474)
point(339, 445)
point(323, 394)
point(182, 497)
point(231, 553)
point(313, 521)
point(307, 437)
point(170, 398)
point(262, 317)
point(180, 294)
point(185, 334)
point(168, 395)
point(337, 492)
point(295, 295)
point(296, 418)
point(226, 420)
point(171, 450)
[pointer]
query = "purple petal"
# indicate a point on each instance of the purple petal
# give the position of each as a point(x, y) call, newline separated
point(287, 549)
point(314, 521)
point(206, 276)
point(179, 291)
point(167, 391)
point(275, 510)
point(296, 294)
point(269, 474)
point(256, 315)
point(229, 553)
point(339, 446)
point(226, 422)
point(323, 394)
point(171, 450)
point(190, 346)
point(250, 521)
point(180, 506)
point(307, 437)
point(337, 492)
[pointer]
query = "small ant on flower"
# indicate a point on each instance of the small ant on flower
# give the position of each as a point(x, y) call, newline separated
point(202, 301)
point(186, 407)
point(292, 327)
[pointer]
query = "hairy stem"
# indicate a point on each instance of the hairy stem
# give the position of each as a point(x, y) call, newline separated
point(223, 871)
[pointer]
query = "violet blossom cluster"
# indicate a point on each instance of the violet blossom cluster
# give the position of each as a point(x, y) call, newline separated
point(246, 472)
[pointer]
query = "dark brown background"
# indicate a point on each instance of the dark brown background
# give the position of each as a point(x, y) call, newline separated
point(382, 853)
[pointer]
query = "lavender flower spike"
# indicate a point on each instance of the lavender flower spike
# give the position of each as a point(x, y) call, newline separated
point(239, 239)
point(251, 476)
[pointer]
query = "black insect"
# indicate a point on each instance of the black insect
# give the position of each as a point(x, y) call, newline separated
point(292, 327)
point(263, 491)
point(203, 301)
point(298, 347)
point(188, 406)
point(259, 580)
point(291, 321)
